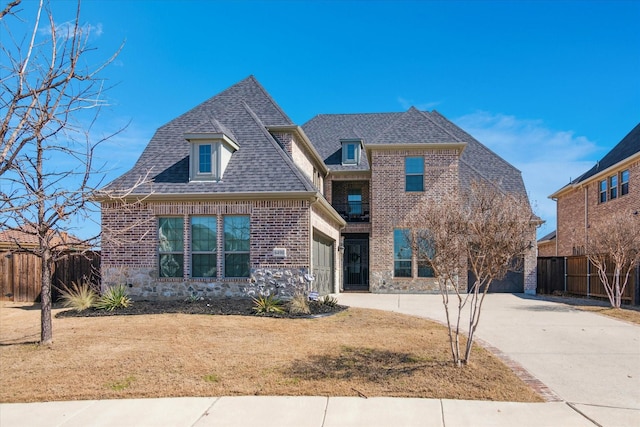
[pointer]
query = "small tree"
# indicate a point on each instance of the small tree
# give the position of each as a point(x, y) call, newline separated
point(484, 230)
point(50, 101)
point(613, 247)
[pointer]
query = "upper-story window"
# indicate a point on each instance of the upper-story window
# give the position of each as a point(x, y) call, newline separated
point(613, 187)
point(351, 151)
point(210, 155)
point(414, 173)
point(624, 182)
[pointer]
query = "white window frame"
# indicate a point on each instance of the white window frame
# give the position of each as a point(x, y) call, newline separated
point(196, 175)
point(357, 151)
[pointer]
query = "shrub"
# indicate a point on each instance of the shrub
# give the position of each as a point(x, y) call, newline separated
point(329, 301)
point(269, 304)
point(78, 297)
point(299, 305)
point(114, 298)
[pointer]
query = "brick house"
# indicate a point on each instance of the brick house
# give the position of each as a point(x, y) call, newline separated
point(613, 184)
point(241, 200)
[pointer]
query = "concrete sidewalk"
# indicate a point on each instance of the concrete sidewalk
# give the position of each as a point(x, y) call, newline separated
point(290, 412)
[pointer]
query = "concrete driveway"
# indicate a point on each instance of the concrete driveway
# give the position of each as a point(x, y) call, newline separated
point(588, 360)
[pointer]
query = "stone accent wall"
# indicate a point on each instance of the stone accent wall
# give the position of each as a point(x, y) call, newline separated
point(391, 205)
point(574, 221)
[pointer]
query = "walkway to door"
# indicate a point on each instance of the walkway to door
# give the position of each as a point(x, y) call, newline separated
point(587, 359)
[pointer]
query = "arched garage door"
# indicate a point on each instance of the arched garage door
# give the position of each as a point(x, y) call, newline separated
point(322, 260)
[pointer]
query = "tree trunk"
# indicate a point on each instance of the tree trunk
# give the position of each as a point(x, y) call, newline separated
point(46, 329)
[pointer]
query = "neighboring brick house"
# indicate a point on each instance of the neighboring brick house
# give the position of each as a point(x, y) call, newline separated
point(241, 200)
point(613, 184)
point(547, 245)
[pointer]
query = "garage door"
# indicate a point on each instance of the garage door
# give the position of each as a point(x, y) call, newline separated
point(513, 283)
point(322, 260)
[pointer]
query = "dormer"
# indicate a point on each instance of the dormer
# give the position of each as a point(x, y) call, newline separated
point(210, 155)
point(210, 152)
point(351, 151)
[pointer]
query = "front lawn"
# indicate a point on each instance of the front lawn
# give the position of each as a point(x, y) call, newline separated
point(356, 352)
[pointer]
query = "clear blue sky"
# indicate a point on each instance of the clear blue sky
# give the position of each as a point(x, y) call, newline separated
point(550, 86)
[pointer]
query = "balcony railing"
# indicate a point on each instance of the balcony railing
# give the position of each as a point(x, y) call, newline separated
point(353, 211)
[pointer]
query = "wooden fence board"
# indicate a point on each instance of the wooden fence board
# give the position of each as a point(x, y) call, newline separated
point(21, 274)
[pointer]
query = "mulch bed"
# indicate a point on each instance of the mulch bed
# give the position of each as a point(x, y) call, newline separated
point(215, 306)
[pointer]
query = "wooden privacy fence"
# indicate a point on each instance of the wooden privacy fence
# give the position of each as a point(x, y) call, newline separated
point(577, 276)
point(21, 274)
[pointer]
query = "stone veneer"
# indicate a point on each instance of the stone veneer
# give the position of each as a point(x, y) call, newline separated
point(280, 282)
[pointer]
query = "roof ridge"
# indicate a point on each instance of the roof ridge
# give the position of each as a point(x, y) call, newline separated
point(275, 104)
point(428, 116)
point(283, 154)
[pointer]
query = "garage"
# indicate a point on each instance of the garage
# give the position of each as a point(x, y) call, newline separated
point(322, 262)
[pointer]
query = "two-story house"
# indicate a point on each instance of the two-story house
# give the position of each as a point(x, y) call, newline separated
point(612, 184)
point(240, 200)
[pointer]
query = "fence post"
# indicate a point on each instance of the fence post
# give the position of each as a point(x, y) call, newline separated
point(565, 275)
point(588, 278)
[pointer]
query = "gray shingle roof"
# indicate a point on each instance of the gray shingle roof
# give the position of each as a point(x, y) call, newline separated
point(629, 146)
point(243, 112)
point(413, 126)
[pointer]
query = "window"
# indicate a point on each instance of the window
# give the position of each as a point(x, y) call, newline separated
point(171, 247)
point(401, 253)
point(613, 187)
point(204, 244)
point(603, 191)
point(624, 182)
point(351, 150)
point(210, 155)
point(236, 246)
point(425, 252)
point(204, 159)
point(354, 200)
point(414, 173)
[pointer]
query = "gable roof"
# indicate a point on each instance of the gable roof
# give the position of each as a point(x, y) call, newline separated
point(624, 150)
point(26, 238)
point(411, 127)
point(242, 112)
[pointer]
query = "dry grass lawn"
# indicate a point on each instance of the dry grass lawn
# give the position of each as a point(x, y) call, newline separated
point(627, 314)
point(355, 352)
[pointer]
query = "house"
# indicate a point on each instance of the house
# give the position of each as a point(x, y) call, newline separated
point(241, 200)
point(547, 245)
point(26, 239)
point(612, 184)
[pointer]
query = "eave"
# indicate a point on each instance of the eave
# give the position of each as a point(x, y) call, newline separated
point(597, 177)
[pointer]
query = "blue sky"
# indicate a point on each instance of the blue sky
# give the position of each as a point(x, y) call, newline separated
point(550, 86)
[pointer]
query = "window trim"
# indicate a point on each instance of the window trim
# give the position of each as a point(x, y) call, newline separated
point(396, 256)
point(408, 174)
point(603, 190)
point(624, 184)
point(613, 186)
point(357, 151)
point(213, 252)
point(179, 253)
point(196, 174)
point(226, 251)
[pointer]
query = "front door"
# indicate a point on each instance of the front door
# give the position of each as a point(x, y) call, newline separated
point(356, 263)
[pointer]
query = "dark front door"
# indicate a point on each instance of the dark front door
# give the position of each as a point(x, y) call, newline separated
point(356, 263)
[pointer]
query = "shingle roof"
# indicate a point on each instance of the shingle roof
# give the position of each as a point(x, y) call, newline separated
point(629, 146)
point(243, 113)
point(413, 126)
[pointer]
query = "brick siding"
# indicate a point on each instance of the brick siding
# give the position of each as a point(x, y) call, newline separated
point(572, 227)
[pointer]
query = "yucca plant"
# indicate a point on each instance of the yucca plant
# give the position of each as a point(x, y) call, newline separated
point(78, 297)
point(114, 298)
point(269, 304)
point(329, 301)
point(299, 304)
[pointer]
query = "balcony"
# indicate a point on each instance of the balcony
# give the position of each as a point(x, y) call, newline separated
point(353, 211)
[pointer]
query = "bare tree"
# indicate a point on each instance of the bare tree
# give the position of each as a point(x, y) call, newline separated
point(483, 230)
point(613, 247)
point(50, 102)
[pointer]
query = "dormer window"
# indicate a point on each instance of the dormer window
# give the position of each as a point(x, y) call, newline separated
point(210, 154)
point(351, 151)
